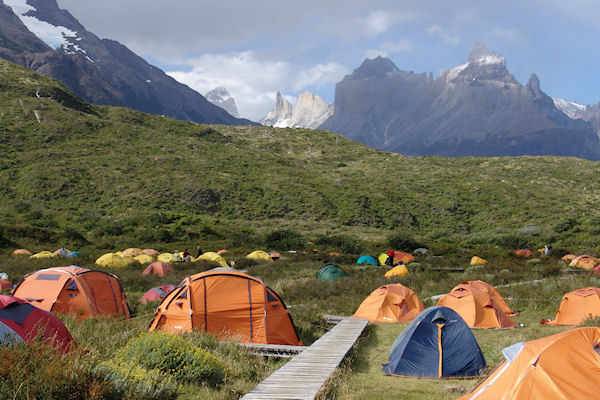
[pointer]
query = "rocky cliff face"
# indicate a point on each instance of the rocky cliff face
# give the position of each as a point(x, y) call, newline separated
point(585, 112)
point(222, 98)
point(310, 111)
point(476, 108)
point(40, 36)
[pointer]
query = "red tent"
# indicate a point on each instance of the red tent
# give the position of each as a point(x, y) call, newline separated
point(157, 293)
point(23, 321)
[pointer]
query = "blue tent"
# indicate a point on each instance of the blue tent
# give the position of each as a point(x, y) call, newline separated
point(437, 334)
point(74, 254)
point(367, 260)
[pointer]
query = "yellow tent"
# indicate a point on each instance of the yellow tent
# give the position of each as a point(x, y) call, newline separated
point(43, 254)
point(259, 255)
point(399, 270)
point(114, 260)
point(144, 259)
point(165, 257)
point(478, 261)
point(214, 258)
point(382, 258)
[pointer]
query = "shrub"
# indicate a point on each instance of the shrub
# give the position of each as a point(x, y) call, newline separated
point(284, 239)
point(402, 241)
point(133, 382)
point(171, 354)
point(36, 371)
point(346, 244)
point(565, 225)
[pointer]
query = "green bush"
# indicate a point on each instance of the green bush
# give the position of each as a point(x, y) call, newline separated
point(36, 371)
point(346, 244)
point(402, 241)
point(171, 354)
point(565, 225)
point(134, 382)
point(284, 239)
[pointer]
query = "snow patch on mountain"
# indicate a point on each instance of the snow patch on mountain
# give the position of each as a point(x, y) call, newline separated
point(57, 37)
point(572, 109)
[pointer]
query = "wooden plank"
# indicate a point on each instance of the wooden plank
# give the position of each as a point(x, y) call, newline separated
point(304, 375)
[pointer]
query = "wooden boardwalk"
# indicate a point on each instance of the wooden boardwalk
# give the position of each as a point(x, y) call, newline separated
point(304, 375)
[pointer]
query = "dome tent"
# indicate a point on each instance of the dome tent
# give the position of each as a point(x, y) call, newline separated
point(367, 260)
point(479, 304)
point(20, 321)
point(577, 306)
point(390, 303)
point(259, 255)
point(88, 293)
point(157, 293)
point(331, 273)
point(227, 303)
point(157, 268)
point(437, 344)
point(561, 366)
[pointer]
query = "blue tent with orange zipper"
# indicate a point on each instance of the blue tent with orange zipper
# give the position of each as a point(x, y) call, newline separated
point(437, 344)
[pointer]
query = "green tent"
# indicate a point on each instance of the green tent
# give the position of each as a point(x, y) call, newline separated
point(330, 273)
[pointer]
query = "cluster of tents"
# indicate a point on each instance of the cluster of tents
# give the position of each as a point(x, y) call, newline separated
point(47, 254)
point(584, 261)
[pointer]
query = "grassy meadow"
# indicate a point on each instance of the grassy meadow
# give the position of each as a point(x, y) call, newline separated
point(100, 179)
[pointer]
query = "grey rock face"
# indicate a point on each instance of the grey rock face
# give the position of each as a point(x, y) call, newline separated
point(221, 97)
point(100, 71)
point(475, 109)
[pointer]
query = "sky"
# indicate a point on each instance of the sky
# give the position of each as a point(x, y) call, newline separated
point(256, 48)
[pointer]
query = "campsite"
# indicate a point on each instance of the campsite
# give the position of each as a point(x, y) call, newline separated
point(295, 201)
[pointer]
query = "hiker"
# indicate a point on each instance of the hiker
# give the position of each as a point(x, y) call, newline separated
point(547, 249)
point(176, 256)
point(200, 252)
point(390, 259)
point(186, 255)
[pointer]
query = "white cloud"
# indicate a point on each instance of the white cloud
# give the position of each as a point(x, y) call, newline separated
point(252, 80)
point(388, 48)
point(511, 35)
point(378, 22)
point(436, 30)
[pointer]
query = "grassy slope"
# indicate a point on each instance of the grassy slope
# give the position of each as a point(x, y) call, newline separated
point(86, 167)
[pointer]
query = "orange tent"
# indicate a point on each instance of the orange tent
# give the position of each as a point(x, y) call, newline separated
point(229, 304)
point(523, 252)
point(479, 304)
point(133, 252)
point(561, 366)
point(390, 303)
point(402, 257)
point(578, 305)
point(158, 268)
point(585, 261)
point(568, 257)
point(89, 293)
point(22, 252)
point(151, 252)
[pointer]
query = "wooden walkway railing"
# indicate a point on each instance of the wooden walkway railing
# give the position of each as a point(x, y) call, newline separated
point(304, 375)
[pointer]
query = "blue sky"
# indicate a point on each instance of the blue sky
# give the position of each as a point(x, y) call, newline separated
point(257, 48)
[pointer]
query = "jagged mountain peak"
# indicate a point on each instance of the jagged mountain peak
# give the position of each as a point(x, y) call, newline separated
point(221, 97)
point(378, 66)
point(310, 111)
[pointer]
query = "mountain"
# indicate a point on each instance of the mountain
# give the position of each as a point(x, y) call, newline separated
point(280, 116)
point(221, 97)
point(310, 111)
point(575, 110)
point(477, 108)
point(42, 37)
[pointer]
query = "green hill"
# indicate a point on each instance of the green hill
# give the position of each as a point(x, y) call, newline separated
point(73, 172)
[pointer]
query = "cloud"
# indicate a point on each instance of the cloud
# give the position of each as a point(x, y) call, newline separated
point(389, 47)
point(436, 30)
point(253, 80)
point(511, 35)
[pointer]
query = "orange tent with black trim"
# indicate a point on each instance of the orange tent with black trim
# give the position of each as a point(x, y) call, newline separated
point(390, 303)
point(227, 303)
point(561, 366)
point(402, 257)
point(158, 268)
point(523, 252)
point(479, 304)
point(88, 293)
point(585, 261)
point(578, 305)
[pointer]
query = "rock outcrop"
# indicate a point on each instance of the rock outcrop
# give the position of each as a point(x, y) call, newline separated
point(221, 97)
point(48, 40)
point(310, 111)
point(475, 109)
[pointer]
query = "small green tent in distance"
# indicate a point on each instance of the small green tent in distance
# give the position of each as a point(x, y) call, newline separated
point(330, 273)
